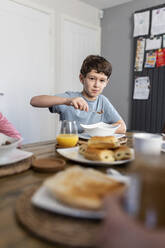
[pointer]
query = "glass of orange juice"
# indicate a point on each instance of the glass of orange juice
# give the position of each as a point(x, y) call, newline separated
point(68, 134)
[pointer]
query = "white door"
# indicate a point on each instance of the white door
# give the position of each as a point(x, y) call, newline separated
point(26, 69)
point(79, 40)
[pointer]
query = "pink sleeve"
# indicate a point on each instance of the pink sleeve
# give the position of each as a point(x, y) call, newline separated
point(7, 128)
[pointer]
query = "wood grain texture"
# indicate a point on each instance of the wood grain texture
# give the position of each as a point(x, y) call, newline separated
point(11, 187)
point(54, 227)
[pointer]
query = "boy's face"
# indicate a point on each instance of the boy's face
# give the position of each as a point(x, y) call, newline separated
point(93, 84)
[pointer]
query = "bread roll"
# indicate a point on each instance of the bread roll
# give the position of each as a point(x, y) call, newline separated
point(82, 188)
point(103, 142)
point(122, 153)
point(82, 149)
point(99, 155)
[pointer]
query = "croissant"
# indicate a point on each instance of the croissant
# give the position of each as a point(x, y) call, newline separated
point(82, 148)
point(99, 154)
point(122, 153)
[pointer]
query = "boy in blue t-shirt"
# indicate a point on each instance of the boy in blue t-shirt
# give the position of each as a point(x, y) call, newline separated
point(88, 106)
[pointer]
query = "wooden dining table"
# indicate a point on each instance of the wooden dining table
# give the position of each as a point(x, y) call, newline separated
point(12, 234)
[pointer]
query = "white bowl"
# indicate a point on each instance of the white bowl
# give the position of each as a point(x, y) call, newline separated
point(99, 129)
point(5, 149)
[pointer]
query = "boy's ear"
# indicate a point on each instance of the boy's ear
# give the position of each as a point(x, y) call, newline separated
point(81, 77)
point(108, 81)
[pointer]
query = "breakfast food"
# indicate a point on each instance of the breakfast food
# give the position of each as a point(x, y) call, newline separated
point(122, 153)
point(82, 188)
point(105, 149)
point(103, 142)
point(99, 154)
point(83, 148)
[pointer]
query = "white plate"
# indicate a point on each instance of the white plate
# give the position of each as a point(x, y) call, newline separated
point(6, 149)
point(43, 199)
point(73, 154)
point(100, 125)
point(87, 136)
point(14, 156)
point(100, 129)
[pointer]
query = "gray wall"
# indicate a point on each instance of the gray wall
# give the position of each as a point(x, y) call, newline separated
point(117, 47)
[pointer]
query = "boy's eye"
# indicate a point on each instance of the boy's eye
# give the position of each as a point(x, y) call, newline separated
point(103, 81)
point(91, 78)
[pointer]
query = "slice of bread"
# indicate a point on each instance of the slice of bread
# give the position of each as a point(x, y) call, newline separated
point(103, 142)
point(82, 188)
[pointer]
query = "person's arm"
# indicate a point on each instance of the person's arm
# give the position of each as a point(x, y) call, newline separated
point(46, 101)
point(120, 230)
point(8, 129)
point(122, 128)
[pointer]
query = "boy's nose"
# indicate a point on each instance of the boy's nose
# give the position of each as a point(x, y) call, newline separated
point(97, 83)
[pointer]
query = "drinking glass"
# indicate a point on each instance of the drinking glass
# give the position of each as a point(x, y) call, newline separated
point(147, 143)
point(145, 197)
point(147, 148)
point(68, 134)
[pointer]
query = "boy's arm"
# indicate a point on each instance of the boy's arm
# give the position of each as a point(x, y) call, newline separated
point(46, 101)
point(122, 128)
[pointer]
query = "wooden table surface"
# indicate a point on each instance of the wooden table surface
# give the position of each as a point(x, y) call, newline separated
point(12, 235)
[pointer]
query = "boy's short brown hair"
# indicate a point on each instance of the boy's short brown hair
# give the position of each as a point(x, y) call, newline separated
point(97, 63)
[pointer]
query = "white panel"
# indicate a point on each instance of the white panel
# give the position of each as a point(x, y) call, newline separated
point(78, 42)
point(25, 69)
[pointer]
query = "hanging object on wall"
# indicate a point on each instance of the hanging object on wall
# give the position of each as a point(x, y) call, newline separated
point(153, 43)
point(158, 21)
point(139, 55)
point(150, 60)
point(141, 88)
point(141, 23)
point(160, 57)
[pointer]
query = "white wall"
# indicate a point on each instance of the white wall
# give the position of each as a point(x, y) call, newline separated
point(26, 68)
point(74, 9)
point(78, 12)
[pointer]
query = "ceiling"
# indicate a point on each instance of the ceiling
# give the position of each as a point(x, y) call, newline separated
point(104, 4)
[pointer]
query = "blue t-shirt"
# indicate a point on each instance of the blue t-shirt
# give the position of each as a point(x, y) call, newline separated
point(109, 115)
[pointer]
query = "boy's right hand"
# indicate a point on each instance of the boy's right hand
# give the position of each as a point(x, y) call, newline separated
point(78, 103)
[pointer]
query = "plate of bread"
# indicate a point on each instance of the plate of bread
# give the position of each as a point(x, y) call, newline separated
point(78, 192)
point(99, 150)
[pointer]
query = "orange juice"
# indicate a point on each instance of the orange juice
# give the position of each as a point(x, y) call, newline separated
point(67, 140)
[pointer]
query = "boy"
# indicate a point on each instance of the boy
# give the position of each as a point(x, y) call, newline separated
point(88, 106)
